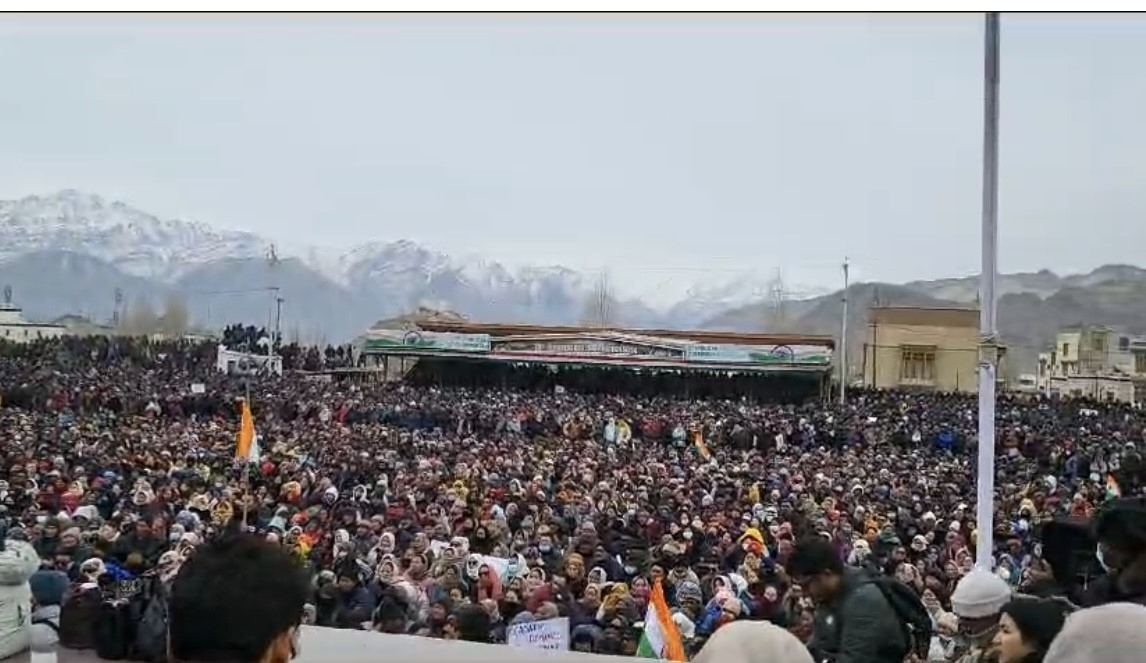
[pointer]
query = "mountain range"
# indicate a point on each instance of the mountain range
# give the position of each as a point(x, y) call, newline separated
point(70, 252)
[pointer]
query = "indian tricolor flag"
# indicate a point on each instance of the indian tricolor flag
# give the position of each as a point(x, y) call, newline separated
point(248, 444)
point(701, 447)
point(1113, 490)
point(660, 639)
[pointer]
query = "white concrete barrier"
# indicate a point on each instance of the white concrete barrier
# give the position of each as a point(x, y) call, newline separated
point(327, 645)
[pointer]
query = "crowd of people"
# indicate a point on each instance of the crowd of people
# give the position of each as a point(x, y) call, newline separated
point(462, 513)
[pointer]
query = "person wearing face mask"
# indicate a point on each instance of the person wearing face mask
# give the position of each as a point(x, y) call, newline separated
point(237, 576)
point(547, 552)
point(1120, 528)
point(977, 602)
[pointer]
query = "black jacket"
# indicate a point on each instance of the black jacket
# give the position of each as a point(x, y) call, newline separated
point(860, 625)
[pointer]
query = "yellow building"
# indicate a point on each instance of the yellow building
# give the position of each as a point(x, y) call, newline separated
point(922, 348)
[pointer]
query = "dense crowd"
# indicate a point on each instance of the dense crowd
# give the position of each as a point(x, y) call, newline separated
point(458, 513)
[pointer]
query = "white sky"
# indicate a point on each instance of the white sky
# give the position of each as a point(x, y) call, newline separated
point(669, 150)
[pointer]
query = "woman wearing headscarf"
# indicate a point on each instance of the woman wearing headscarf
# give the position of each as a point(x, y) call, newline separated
point(1112, 633)
point(753, 642)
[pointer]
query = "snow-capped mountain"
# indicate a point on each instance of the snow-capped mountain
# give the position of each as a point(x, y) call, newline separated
point(123, 236)
point(148, 247)
point(207, 266)
point(72, 252)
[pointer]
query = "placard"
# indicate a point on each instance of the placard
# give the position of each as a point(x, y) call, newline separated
point(552, 634)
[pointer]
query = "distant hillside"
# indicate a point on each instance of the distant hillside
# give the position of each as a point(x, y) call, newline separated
point(1032, 308)
point(70, 252)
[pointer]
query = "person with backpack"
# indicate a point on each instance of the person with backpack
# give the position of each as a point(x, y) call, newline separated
point(48, 589)
point(860, 617)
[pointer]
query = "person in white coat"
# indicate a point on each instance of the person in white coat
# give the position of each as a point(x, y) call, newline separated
point(18, 561)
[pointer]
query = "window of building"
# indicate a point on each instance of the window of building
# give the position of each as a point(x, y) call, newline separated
point(917, 365)
point(1123, 343)
point(1065, 349)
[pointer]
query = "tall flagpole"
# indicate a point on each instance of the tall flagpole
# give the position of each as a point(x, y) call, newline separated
point(247, 460)
point(844, 341)
point(988, 342)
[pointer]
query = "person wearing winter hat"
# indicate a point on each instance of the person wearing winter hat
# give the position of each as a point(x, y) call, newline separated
point(753, 642)
point(1112, 633)
point(1027, 626)
point(977, 601)
point(48, 589)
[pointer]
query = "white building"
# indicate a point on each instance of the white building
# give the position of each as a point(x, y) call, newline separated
point(1094, 362)
point(246, 363)
point(14, 328)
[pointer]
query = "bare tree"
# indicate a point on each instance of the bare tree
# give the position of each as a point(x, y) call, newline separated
point(598, 309)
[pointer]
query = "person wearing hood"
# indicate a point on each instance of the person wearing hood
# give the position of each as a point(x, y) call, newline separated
point(48, 589)
point(1112, 633)
point(18, 562)
point(49, 539)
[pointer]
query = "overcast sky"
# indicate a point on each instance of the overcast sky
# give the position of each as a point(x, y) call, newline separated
point(669, 150)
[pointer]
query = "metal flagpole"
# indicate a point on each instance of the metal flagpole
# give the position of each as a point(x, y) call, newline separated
point(988, 342)
point(247, 460)
point(844, 341)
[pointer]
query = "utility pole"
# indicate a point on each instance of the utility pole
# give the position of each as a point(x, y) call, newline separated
point(844, 340)
point(273, 287)
point(278, 321)
point(116, 312)
point(988, 339)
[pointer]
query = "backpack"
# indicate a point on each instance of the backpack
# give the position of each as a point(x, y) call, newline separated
point(79, 611)
point(118, 619)
point(49, 623)
point(151, 632)
point(114, 630)
point(913, 617)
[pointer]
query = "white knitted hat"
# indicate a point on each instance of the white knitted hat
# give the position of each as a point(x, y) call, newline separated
point(1113, 633)
point(980, 594)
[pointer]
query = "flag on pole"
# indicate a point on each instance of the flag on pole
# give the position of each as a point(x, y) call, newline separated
point(248, 445)
point(1113, 490)
point(701, 447)
point(660, 639)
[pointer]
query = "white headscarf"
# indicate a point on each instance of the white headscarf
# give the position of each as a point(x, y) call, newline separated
point(1112, 633)
point(753, 642)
